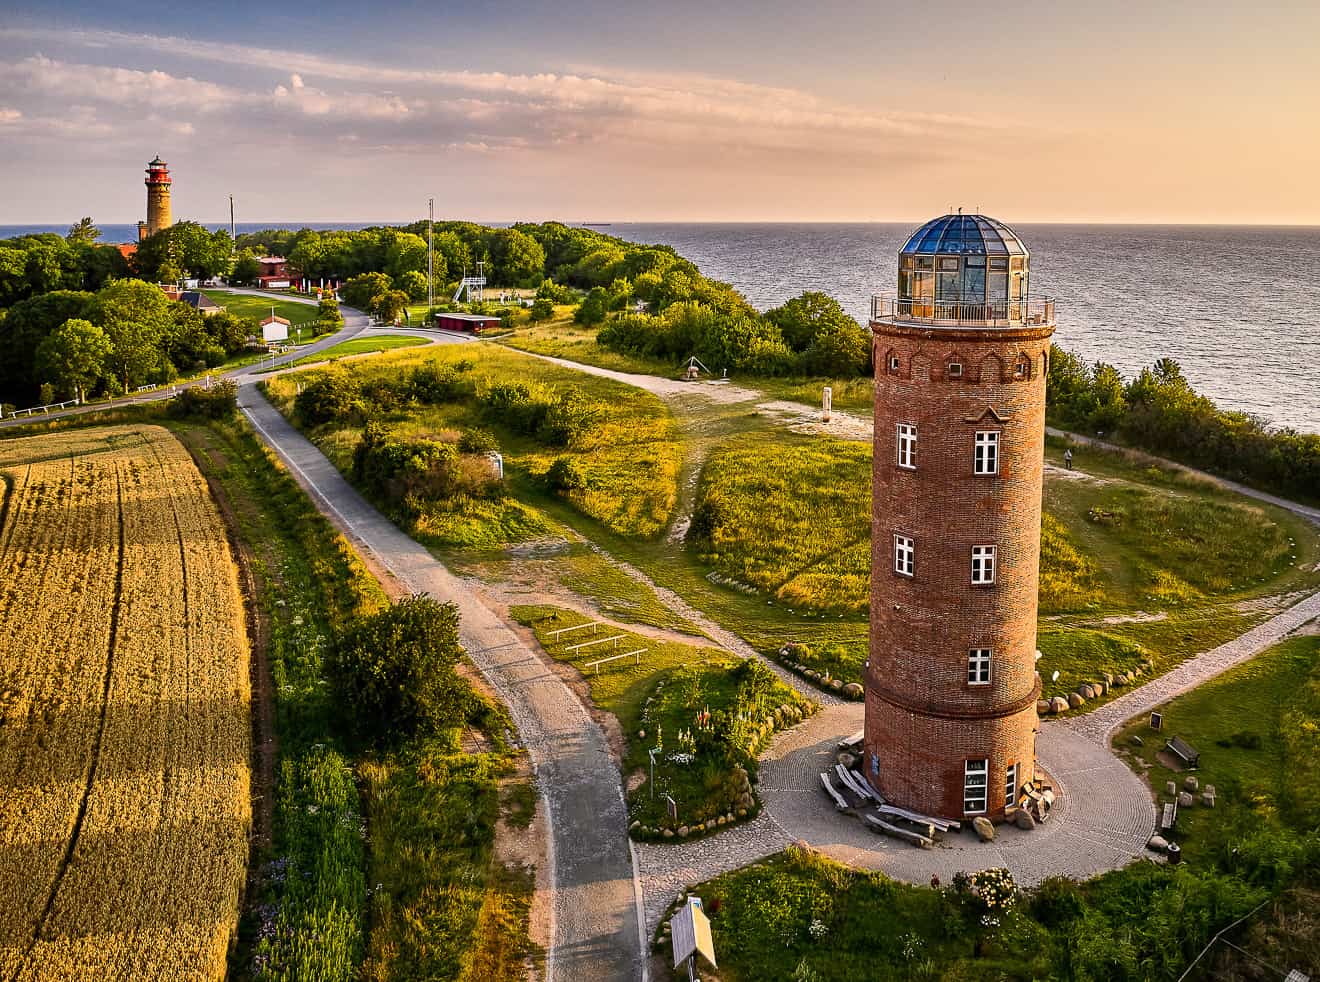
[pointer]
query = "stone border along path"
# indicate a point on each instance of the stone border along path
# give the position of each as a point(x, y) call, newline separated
point(595, 923)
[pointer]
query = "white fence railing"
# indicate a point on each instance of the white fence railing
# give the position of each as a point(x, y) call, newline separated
point(41, 409)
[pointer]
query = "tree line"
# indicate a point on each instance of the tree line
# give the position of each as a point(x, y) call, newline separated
point(1158, 410)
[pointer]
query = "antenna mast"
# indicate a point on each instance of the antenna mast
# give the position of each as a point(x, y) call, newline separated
point(430, 252)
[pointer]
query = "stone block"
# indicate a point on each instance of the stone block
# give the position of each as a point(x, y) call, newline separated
point(1185, 799)
point(1171, 788)
point(1190, 783)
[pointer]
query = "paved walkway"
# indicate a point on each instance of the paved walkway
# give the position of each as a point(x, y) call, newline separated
point(1102, 819)
point(595, 928)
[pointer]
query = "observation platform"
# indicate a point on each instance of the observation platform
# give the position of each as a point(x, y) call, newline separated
point(893, 309)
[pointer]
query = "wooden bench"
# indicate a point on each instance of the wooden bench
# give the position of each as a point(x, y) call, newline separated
point(1184, 751)
point(1169, 817)
point(839, 803)
point(591, 644)
point(595, 665)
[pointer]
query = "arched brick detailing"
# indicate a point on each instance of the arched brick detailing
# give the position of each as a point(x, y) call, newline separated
point(923, 717)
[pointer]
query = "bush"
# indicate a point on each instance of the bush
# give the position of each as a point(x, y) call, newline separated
point(329, 395)
point(516, 405)
point(477, 440)
point(394, 671)
point(566, 474)
point(593, 309)
point(542, 310)
point(198, 402)
point(434, 384)
point(567, 419)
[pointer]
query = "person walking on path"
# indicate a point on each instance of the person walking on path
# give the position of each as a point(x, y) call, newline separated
point(1067, 458)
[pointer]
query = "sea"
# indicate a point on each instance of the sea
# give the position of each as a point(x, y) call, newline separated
point(1238, 307)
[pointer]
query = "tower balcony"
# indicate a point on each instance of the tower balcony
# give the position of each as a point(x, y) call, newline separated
point(1031, 312)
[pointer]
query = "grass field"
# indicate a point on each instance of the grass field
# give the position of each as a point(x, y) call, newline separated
point(124, 754)
point(561, 338)
point(628, 460)
point(1137, 563)
point(358, 346)
point(659, 697)
point(801, 916)
point(247, 305)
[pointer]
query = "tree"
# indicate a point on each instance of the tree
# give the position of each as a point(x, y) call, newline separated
point(74, 356)
point(327, 311)
point(246, 269)
point(84, 230)
point(24, 327)
point(839, 350)
point(593, 308)
point(389, 306)
point(413, 283)
point(802, 318)
point(394, 671)
point(517, 258)
point(362, 290)
point(542, 310)
point(186, 247)
point(136, 317)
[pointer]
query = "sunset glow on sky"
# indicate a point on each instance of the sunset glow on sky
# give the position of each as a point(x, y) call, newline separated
point(770, 111)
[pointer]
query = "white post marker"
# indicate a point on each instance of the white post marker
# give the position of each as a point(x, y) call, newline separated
point(689, 931)
point(827, 401)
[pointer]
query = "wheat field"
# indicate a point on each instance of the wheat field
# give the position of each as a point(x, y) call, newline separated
point(124, 712)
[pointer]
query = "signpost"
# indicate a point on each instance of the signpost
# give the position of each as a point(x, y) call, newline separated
point(689, 931)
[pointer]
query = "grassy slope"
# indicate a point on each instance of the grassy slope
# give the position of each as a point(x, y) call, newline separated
point(431, 808)
point(654, 697)
point(1141, 922)
point(358, 346)
point(1130, 542)
point(630, 458)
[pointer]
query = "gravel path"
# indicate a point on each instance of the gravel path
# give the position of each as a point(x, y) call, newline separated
point(595, 927)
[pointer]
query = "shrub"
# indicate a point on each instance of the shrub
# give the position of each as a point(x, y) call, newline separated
point(593, 308)
point(394, 671)
point(329, 395)
point(434, 384)
point(477, 440)
point(542, 310)
point(518, 406)
point(567, 419)
point(566, 474)
point(218, 402)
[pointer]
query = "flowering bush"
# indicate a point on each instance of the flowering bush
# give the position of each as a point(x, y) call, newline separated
point(995, 889)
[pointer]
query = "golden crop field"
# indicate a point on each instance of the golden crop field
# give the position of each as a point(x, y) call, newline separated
point(124, 712)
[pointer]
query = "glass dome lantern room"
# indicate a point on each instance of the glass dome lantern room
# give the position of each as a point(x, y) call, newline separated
point(963, 268)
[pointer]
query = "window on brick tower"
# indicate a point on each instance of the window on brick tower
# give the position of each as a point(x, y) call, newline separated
point(976, 776)
point(907, 446)
point(985, 459)
point(1011, 786)
point(978, 666)
point(904, 555)
point(983, 564)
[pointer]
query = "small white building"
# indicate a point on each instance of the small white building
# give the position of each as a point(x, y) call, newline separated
point(274, 328)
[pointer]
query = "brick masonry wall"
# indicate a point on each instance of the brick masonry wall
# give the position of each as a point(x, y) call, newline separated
point(923, 718)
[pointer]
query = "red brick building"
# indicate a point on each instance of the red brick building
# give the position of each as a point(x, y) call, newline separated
point(961, 355)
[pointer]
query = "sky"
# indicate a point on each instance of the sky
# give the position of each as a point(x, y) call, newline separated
point(813, 110)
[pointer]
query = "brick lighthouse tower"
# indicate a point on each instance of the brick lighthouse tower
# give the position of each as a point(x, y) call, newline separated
point(158, 199)
point(961, 354)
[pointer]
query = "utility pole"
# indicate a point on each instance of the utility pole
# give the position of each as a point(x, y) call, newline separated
point(231, 219)
point(430, 253)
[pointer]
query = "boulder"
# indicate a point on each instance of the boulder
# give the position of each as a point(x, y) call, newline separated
point(1158, 843)
point(1119, 680)
point(668, 833)
point(641, 734)
point(1085, 691)
point(1209, 789)
point(1075, 700)
point(853, 690)
point(742, 812)
point(634, 826)
point(1207, 799)
point(1190, 783)
point(1171, 788)
point(1185, 799)
point(1106, 678)
point(1100, 688)
point(985, 829)
point(1058, 705)
point(683, 831)
point(1023, 820)
point(837, 685)
point(1042, 707)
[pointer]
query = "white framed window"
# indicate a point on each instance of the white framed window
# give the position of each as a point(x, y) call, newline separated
point(978, 666)
point(1011, 786)
point(904, 555)
point(907, 446)
point(985, 459)
point(955, 369)
point(983, 564)
point(893, 363)
point(976, 774)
